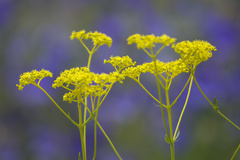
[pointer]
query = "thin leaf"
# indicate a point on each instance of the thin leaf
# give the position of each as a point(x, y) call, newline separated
point(167, 139)
point(176, 138)
point(215, 102)
point(79, 156)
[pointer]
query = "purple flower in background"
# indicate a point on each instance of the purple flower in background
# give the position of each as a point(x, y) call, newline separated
point(10, 154)
point(223, 32)
point(50, 144)
point(6, 12)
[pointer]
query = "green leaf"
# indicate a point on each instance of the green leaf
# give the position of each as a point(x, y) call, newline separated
point(79, 156)
point(176, 138)
point(156, 105)
point(215, 102)
point(167, 139)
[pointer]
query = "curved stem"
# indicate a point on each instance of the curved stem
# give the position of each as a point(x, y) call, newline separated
point(147, 91)
point(214, 107)
point(235, 152)
point(181, 91)
point(103, 130)
point(57, 105)
point(110, 142)
point(184, 107)
point(84, 46)
point(100, 103)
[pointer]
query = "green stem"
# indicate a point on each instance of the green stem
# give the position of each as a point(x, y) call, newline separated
point(148, 91)
point(81, 130)
point(159, 50)
point(110, 142)
point(85, 109)
point(184, 107)
point(160, 97)
point(214, 107)
point(95, 129)
point(235, 152)
point(103, 131)
point(171, 134)
point(89, 60)
point(105, 95)
point(172, 151)
point(84, 46)
point(181, 92)
point(57, 105)
point(170, 123)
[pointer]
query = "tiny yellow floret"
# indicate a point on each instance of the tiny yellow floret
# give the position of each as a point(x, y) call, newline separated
point(193, 53)
point(171, 69)
point(119, 63)
point(150, 41)
point(31, 77)
point(98, 38)
point(81, 83)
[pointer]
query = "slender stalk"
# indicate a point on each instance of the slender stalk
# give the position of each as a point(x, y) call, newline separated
point(110, 142)
point(159, 50)
point(108, 90)
point(214, 107)
point(85, 109)
point(235, 152)
point(84, 46)
point(58, 106)
point(172, 151)
point(184, 107)
point(160, 97)
point(95, 129)
point(181, 92)
point(171, 134)
point(92, 115)
point(147, 91)
point(170, 124)
point(89, 60)
point(81, 130)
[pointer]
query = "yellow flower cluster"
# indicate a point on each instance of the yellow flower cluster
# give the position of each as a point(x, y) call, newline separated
point(133, 72)
point(171, 69)
point(98, 38)
point(84, 83)
point(149, 41)
point(193, 53)
point(31, 77)
point(119, 63)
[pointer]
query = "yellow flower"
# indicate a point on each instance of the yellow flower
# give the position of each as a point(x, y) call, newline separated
point(133, 72)
point(149, 41)
point(98, 38)
point(31, 77)
point(193, 53)
point(81, 83)
point(74, 76)
point(119, 63)
point(171, 69)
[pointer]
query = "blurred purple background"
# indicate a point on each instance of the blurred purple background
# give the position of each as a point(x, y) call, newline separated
point(34, 34)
